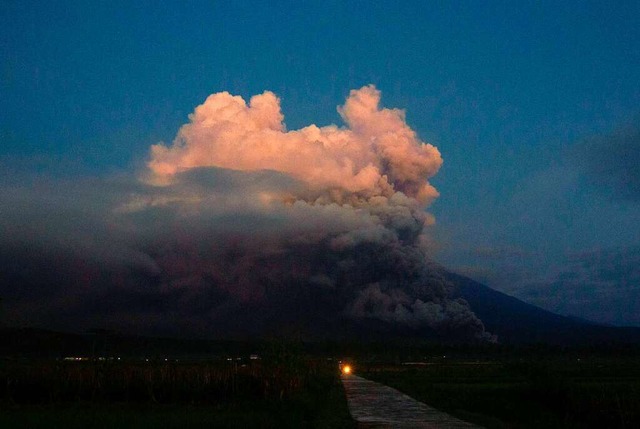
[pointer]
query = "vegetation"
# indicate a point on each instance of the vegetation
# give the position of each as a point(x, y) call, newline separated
point(525, 392)
point(203, 384)
point(283, 389)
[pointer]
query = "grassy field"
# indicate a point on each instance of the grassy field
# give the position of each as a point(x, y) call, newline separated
point(289, 386)
point(552, 391)
point(281, 390)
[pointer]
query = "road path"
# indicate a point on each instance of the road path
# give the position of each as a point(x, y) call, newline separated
point(374, 405)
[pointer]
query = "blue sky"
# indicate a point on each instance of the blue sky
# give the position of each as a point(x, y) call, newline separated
point(533, 105)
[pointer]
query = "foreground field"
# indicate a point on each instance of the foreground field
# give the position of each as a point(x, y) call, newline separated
point(291, 386)
point(549, 391)
point(280, 391)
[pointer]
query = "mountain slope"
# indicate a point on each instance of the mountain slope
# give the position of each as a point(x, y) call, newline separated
point(515, 321)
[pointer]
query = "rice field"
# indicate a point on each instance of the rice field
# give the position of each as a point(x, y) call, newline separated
point(278, 390)
point(550, 391)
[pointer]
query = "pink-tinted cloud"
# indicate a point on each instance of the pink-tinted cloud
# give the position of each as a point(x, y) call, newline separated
point(378, 154)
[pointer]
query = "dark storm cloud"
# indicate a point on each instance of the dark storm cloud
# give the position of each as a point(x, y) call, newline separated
point(611, 162)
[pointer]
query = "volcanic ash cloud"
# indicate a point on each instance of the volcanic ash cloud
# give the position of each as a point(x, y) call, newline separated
point(241, 227)
point(334, 216)
point(377, 155)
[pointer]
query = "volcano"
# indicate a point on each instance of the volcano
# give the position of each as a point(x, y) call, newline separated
point(516, 322)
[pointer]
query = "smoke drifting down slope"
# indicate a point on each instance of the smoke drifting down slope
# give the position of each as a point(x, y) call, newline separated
point(352, 225)
point(241, 226)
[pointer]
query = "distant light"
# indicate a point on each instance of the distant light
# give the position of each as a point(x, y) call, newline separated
point(346, 369)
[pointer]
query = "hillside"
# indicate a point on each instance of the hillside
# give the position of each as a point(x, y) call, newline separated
point(515, 321)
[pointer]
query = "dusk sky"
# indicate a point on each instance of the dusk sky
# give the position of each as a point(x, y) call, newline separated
point(534, 108)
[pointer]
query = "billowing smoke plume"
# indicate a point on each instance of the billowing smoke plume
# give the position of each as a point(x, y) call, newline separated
point(378, 155)
point(347, 228)
point(241, 227)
